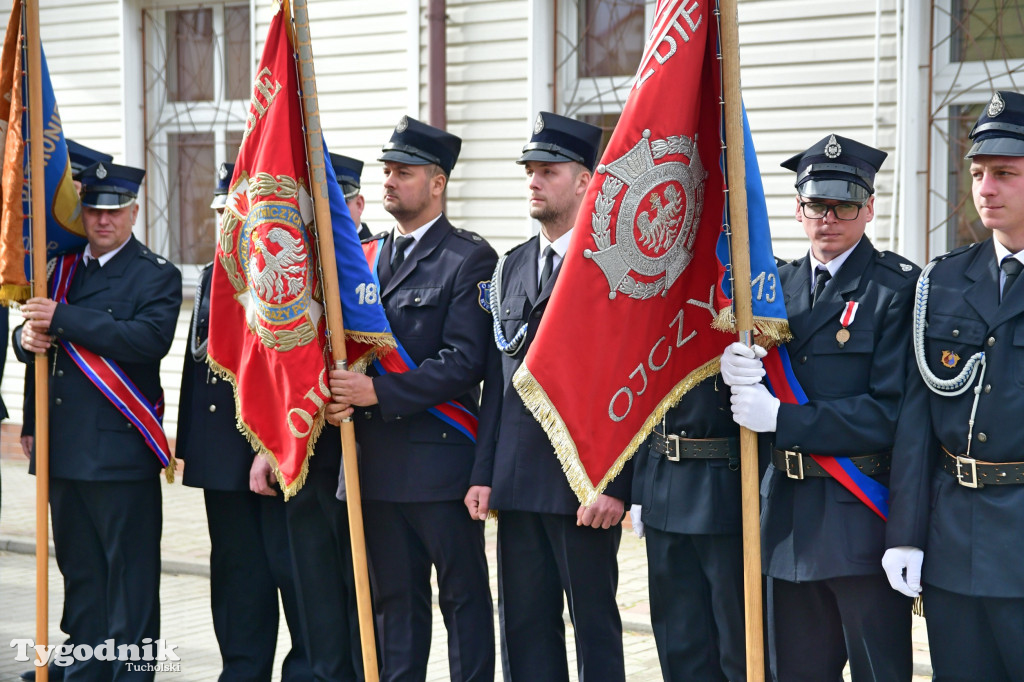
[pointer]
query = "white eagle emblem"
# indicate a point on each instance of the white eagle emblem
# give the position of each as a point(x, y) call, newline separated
point(651, 242)
point(283, 273)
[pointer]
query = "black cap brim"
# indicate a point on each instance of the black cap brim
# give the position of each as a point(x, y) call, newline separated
point(997, 146)
point(544, 156)
point(107, 200)
point(828, 188)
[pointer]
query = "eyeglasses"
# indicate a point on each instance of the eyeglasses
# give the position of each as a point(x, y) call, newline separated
point(815, 210)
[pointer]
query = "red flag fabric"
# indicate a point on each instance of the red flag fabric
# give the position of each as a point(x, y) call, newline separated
point(266, 314)
point(628, 328)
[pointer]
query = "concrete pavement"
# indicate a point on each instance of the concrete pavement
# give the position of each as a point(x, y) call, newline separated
point(185, 594)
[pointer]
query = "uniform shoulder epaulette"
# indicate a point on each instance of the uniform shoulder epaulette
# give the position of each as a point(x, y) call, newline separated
point(375, 237)
point(956, 252)
point(152, 257)
point(518, 246)
point(471, 237)
point(897, 263)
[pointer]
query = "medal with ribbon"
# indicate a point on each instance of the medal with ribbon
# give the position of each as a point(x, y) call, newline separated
point(846, 319)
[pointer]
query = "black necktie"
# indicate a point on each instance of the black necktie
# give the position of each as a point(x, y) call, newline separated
point(549, 266)
point(402, 244)
point(1012, 267)
point(821, 278)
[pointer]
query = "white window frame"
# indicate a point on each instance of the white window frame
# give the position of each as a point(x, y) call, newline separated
point(166, 117)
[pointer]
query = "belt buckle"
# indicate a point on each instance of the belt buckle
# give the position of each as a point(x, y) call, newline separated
point(799, 456)
point(672, 454)
point(971, 464)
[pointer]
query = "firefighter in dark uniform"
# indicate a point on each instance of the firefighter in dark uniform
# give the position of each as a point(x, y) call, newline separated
point(415, 466)
point(958, 475)
point(122, 304)
point(80, 157)
point(687, 489)
point(548, 544)
point(849, 313)
point(250, 559)
point(348, 171)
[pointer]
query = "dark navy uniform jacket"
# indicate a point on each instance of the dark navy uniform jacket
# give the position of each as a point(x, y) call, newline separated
point(217, 456)
point(692, 496)
point(514, 455)
point(433, 303)
point(815, 529)
point(971, 538)
point(126, 311)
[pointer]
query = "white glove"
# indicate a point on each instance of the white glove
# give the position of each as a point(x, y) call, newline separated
point(895, 561)
point(634, 516)
point(755, 408)
point(741, 365)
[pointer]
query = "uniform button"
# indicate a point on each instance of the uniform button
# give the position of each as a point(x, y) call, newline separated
point(988, 388)
point(956, 333)
point(60, 330)
point(60, 372)
point(803, 360)
point(444, 434)
point(982, 437)
point(213, 380)
point(508, 310)
point(991, 341)
point(417, 299)
point(110, 310)
point(536, 313)
point(367, 415)
point(682, 434)
point(213, 408)
point(58, 401)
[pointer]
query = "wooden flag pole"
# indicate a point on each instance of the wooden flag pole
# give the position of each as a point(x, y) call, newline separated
point(42, 402)
point(740, 246)
point(335, 326)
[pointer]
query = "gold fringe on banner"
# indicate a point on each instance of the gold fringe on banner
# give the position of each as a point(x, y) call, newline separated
point(14, 293)
point(263, 450)
point(768, 331)
point(537, 401)
point(382, 342)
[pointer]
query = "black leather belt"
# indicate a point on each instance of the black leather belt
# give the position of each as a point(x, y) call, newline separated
point(973, 473)
point(796, 465)
point(676, 447)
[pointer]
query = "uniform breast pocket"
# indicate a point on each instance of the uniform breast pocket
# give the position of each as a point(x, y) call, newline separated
point(416, 310)
point(843, 369)
point(950, 341)
point(512, 314)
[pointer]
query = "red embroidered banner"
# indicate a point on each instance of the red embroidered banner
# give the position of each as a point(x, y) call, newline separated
point(628, 329)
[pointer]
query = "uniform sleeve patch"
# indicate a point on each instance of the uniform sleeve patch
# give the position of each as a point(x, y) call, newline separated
point(484, 295)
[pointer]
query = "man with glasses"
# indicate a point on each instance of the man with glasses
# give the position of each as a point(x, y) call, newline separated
point(849, 312)
point(958, 503)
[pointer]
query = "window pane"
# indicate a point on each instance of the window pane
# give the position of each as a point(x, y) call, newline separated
point(237, 60)
point(611, 37)
point(606, 122)
point(967, 227)
point(190, 65)
point(987, 29)
point(232, 141)
point(194, 174)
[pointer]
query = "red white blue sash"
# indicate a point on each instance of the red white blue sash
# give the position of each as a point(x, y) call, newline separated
point(109, 378)
point(452, 412)
point(783, 383)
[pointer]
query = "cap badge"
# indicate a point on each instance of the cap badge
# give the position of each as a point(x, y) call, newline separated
point(539, 124)
point(996, 106)
point(833, 149)
point(949, 359)
point(222, 173)
point(402, 125)
point(101, 172)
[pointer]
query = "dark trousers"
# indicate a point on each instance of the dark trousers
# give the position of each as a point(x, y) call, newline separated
point(540, 558)
point(250, 560)
point(403, 540)
point(322, 566)
point(815, 626)
point(974, 639)
point(696, 593)
point(107, 540)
